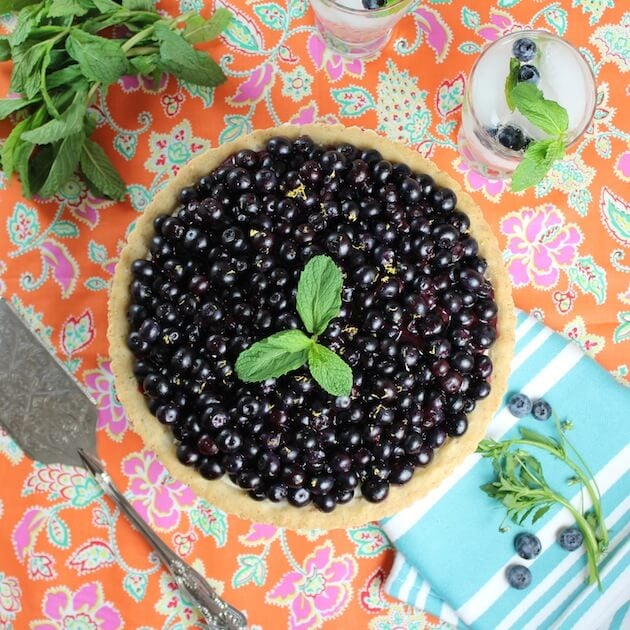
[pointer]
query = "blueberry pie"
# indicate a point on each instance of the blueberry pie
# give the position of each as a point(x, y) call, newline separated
point(325, 418)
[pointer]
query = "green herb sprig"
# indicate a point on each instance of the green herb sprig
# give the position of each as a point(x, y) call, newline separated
point(64, 52)
point(318, 302)
point(521, 487)
point(548, 116)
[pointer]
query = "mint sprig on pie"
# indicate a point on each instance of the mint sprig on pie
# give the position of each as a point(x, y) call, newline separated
point(318, 302)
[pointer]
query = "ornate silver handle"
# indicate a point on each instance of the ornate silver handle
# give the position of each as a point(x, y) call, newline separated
point(218, 613)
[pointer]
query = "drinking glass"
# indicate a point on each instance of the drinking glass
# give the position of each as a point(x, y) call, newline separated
point(565, 77)
point(351, 30)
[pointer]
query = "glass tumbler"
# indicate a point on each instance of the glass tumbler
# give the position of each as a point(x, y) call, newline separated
point(565, 77)
point(351, 30)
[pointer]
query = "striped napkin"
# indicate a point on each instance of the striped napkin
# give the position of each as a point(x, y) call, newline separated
point(451, 559)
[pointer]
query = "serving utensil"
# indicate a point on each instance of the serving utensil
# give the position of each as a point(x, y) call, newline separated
point(53, 420)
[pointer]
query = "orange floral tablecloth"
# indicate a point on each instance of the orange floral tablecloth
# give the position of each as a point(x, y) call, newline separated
point(67, 556)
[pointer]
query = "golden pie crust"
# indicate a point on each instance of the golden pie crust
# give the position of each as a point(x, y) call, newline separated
point(222, 492)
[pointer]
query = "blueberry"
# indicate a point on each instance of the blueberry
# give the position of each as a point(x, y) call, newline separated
point(520, 405)
point(511, 137)
point(373, 4)
point(528, 74)
point(524, 49)
point(518, 576)
point(541, 410)
point(527, 545)
point(570, 538)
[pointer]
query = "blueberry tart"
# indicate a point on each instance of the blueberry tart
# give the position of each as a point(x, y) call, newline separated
point(311, 326)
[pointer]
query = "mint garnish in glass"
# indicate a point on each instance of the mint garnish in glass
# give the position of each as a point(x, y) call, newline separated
point(523, 94)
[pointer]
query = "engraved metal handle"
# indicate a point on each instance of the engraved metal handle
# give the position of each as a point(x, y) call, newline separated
point(218, 613)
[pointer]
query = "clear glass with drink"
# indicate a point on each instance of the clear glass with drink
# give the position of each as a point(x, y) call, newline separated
point(493, 138)
point(357, 28)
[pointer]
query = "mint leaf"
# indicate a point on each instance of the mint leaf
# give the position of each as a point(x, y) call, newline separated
point(138, 5)
point(540, 512)
point(548, 115)
point(69, 8)
point(5, 48)
point(10, 105)
point(145, 65)
point(181, 59)
point(102, 60)
point(61, 47)
point(12, 151)
point(65, 163)
point(511, 81)
point(21, 160)
point(199, 30)
point(536, 162)
point(39, 166)
point(24, 24)
point(11, 144)
point(100, 172)
point(90, 124)
point(319, 293)
point(106, 6)
point(274, 356)
point(71, 122)
point(331, 372)
point(25, 78)
point(70, 75)
point(14, 5)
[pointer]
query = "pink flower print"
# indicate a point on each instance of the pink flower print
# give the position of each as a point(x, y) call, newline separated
point(111, 415)
point(135, 82)
point(622, 168)
point(306, 115)
point(539, 245)
point(10, 595)
point(438, 34)
point(85, 608)
point(500, 24)
point(255, 87)
point(62, 266)
point(335, 65)
point(491, 188)
point(259, 534)
point(318, 592)
point(82, 204)
point(158, 498)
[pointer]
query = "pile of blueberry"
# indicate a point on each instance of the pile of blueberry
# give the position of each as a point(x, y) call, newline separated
point(528, 547)
point(418, 316)
point(521, 405)
point(511, 136)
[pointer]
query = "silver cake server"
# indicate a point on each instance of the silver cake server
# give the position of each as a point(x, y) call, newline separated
point(53, 420)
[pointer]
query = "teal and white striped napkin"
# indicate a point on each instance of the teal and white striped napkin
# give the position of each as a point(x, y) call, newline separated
point(451, 559)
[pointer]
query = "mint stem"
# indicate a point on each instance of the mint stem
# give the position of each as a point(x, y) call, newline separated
point(590, 539)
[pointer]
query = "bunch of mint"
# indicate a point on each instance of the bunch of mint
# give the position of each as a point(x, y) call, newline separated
point(318, 302)
point(548, 116)
point(63, 53)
